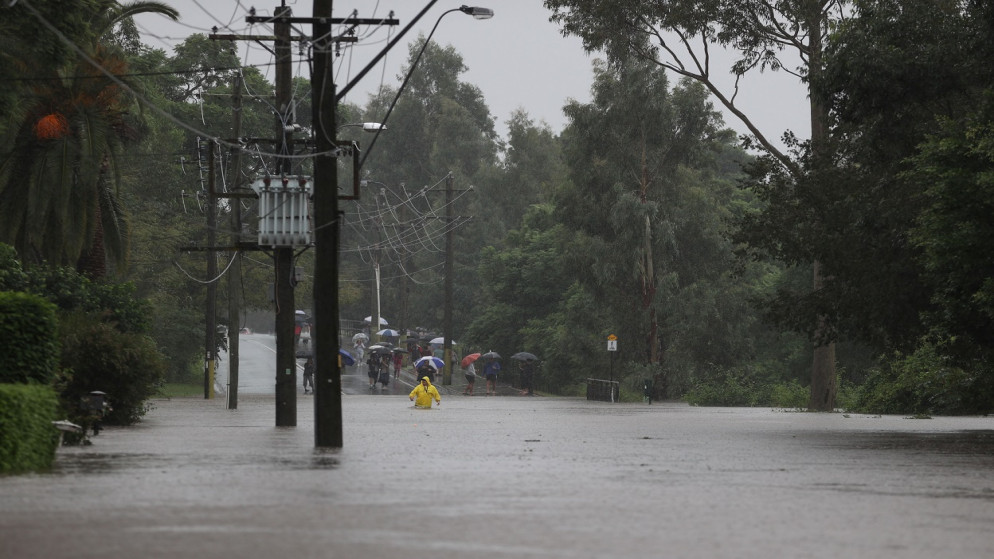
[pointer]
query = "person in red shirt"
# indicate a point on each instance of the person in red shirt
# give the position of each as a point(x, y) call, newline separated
point(398, 360)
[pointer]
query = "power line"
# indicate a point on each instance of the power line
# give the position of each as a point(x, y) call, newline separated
point(133, 74)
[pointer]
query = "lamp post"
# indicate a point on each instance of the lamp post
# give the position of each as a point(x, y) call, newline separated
point(374, 320)
point(476, 12)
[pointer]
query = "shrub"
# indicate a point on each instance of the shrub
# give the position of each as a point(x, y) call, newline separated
point(128, 367)
point(727, 390)
point(730, 389)
point(12, 275)
point(30, 348)
point(789, 395)
point(925, 383)
point(176, 331)
point(27, 437)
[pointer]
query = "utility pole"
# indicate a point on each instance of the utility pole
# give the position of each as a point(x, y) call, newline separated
point(404, 277)
point(286, 360)
point(210, 315)
point(325, 335)
point(374, 316)
point(447, 319)
point(235, 273)
point(283, 295)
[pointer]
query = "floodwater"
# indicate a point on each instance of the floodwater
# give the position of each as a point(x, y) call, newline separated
point(510, 476)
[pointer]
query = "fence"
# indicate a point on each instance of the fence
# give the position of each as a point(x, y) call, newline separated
point(603, 390)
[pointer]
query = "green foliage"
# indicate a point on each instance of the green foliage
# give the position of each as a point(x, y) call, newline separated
point(727, 389)
point(70, 291)
point(29, 330)
point(889, 214)
point(955, 169)
point(524, 316)
point(789, 395)
point(12, 274)
point(179, 334)
point(182, 390)
point(440, 125)
point(20, 58)
point(27, 437)
point(127, 366)
point(747, 386)
point(724, 390)
point(926, 382)
point(57, 190)
point(102, 329)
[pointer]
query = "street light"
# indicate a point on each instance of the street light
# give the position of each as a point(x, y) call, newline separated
point(351, 149)
point(476, 12)
point(366, 126)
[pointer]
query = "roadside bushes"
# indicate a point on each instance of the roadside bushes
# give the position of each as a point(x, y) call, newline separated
point(926, 383)
point(727, 390)
point(30, 349)
point(737, 389)
point(97, 356)
point(27, 437)
point(103, 329)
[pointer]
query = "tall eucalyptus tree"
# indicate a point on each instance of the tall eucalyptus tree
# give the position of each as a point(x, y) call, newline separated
point(681, 36)
point(647, 200)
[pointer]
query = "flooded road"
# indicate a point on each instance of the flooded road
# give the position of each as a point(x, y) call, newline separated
point(505, 477)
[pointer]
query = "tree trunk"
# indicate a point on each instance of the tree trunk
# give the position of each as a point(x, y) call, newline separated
point(823, 376)
point(92, 262)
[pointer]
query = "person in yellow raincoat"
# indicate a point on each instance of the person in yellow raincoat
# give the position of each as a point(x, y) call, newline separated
point(424, 394)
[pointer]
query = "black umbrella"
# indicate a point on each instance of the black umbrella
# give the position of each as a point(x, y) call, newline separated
point(524, 356)
point(490, 355)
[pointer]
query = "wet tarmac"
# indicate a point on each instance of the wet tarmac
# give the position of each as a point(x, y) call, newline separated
point(511, 476)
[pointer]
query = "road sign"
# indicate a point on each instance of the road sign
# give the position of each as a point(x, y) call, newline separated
point(612, 345)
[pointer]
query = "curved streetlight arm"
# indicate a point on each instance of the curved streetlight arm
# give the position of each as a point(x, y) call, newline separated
point(478, 13)
point(341, 92)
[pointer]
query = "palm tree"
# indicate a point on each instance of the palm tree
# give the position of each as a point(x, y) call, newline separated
point(58, 183)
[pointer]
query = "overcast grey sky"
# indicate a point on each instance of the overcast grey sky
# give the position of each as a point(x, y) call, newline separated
point(519, 59)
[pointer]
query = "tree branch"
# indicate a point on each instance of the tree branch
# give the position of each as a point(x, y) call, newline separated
point(702, 76)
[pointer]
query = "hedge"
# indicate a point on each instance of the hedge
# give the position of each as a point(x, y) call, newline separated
point(27, 437)
point(29, 330)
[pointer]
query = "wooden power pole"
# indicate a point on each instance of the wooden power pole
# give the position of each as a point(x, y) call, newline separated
point(235, 273)
point(286, 360)
point(325, 337)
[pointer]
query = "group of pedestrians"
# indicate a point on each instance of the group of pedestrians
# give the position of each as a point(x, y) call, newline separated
point(378, 371)
point(491, 369)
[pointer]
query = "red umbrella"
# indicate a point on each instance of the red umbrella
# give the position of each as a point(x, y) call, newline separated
point(469, 359)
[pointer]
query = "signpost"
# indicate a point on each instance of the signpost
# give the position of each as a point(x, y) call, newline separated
point(605, 390)
point(612, 346)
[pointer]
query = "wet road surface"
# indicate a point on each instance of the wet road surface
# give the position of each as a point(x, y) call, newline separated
point(503, 477)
